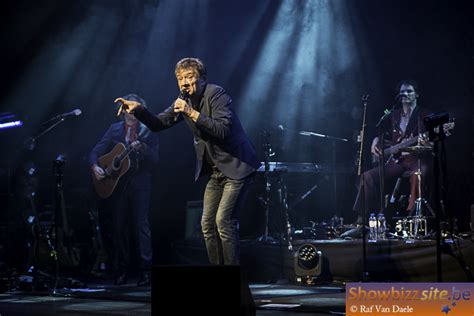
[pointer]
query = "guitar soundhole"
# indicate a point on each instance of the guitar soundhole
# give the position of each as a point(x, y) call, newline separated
point(116, 163)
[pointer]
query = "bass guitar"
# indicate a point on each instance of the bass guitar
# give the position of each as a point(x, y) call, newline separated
point(115, 164)
point(392, 151)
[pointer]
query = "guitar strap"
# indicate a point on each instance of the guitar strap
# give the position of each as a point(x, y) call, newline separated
point(130, 134)
point(143, 131)
point(141, 135)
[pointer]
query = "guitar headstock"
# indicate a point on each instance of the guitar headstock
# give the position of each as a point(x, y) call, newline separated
point(447, 127)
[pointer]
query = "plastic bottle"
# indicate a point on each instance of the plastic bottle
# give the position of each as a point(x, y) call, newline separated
point(382, 226)
point(372, 228)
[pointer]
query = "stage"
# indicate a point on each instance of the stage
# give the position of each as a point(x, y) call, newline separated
point(342, 260)
point(268, 272)
point(307, 88)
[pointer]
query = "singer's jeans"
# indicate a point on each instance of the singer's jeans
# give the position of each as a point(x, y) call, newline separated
point(220, 218)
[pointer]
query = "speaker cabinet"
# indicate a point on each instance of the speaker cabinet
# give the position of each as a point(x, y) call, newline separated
point(200, 290)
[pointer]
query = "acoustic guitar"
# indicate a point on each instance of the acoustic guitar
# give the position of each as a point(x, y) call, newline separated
point(115, 164)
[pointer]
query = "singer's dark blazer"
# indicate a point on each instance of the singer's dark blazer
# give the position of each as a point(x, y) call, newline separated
point(143, 163)
point(218, 129)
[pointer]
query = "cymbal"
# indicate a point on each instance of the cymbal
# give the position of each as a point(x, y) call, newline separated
point(417, 149)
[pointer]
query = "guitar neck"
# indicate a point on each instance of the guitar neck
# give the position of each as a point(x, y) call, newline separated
point(447, 127)
point(396, 148)
point(126, 152)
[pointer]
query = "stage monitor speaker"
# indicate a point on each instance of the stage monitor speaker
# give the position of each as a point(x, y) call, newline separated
point(200, 290)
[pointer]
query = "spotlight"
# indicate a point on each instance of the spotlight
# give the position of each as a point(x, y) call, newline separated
point(307, 261)
point(7, 120)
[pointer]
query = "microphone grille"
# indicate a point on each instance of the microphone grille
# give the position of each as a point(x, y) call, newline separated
point(77, 112)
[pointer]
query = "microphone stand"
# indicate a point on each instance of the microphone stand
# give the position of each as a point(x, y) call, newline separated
point(333, 139)
point(268, 152)
point(360, 173)
point(30, 143)
point(381, 133)
point(437, 138)
point(309, 133)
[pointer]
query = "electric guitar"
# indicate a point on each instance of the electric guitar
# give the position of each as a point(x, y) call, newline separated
point(115, 164)
point(392, 151)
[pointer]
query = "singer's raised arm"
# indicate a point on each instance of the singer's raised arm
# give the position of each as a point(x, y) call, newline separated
point(159, 122)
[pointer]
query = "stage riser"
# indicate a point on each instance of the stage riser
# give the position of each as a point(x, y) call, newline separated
point(389, 260)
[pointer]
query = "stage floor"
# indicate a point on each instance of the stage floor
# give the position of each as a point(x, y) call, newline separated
point(269, 268)
point(104, 299)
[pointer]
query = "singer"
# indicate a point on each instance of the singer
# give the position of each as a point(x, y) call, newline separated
point(223, 152)
point(402, 123)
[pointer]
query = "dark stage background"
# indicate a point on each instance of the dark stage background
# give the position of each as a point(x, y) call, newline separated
point(300, 64)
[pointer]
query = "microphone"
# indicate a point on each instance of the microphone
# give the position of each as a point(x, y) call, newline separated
point(281, 128)
point(183, 95)
point(75, 112)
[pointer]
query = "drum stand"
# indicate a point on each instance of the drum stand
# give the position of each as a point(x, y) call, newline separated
point(419, 228)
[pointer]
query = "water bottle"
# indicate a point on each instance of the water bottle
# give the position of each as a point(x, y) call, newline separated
point(382, 226)
point(372, 228)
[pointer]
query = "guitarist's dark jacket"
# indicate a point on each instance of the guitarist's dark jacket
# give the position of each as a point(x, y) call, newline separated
point(217, 131)
point(415, 126)
point(142, 164)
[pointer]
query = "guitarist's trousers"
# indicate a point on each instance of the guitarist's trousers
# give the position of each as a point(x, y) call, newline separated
point(130, 210)
point(393, 169)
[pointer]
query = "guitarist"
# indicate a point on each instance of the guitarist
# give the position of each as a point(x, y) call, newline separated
point(130, 201)
point(403, 122)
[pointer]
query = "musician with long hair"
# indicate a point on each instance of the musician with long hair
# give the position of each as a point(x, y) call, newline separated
point(405, 121)
point(130, 200)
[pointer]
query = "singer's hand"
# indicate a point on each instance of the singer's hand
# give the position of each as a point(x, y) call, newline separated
point(375, 148)
point(126, 105)
point(181, 106)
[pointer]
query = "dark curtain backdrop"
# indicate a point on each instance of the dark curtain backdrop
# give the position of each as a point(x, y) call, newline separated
point(303, 65)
